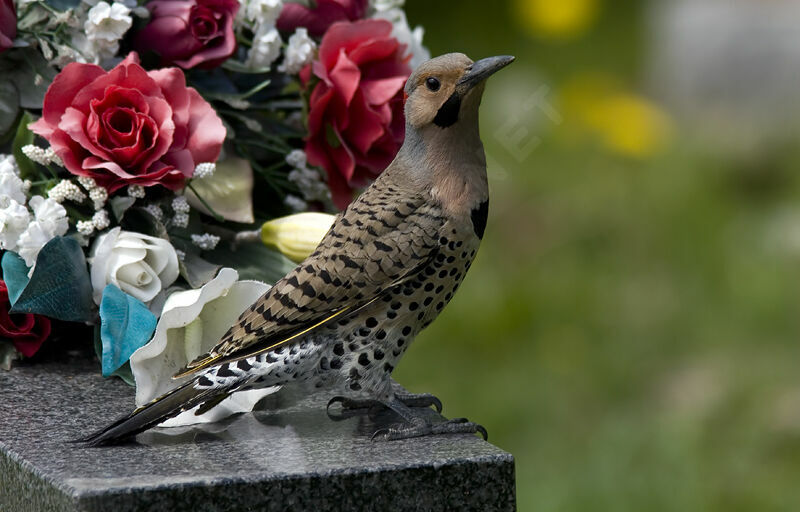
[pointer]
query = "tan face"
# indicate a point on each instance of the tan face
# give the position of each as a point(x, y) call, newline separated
point(430, 88)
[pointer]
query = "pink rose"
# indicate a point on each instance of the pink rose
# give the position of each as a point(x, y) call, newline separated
point(190, 33)
point(355, 120)
point(318, 19)
point(8, 24)
point(128, 126)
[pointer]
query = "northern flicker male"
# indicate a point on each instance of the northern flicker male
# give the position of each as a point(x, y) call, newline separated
point(342, 319)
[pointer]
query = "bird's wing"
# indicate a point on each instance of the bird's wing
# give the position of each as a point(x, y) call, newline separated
point(379, 242)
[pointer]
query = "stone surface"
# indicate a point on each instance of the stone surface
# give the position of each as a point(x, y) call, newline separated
point(292, 459)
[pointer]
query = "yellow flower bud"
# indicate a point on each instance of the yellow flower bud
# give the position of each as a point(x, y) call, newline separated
point(296, 236)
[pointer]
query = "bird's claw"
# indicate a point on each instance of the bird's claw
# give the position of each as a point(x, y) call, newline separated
point(420, 400)
point(352, 407)
point(454, 426)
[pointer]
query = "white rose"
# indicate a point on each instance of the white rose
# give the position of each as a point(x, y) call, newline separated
point(139, 265)
point(14, 219)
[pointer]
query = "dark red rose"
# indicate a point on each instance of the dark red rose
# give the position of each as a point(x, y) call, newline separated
point(190, 33)
point(355, 119)
point(8, 24)
point(318, 19)
point(129, 126)
point(26, 331)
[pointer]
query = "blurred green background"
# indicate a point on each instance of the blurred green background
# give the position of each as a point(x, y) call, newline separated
point(630, 328)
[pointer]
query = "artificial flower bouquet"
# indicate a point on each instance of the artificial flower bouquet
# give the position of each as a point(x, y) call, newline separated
point(151, 152)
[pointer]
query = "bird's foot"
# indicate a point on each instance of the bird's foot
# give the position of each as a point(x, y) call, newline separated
point(352, 407)
point(419, 427)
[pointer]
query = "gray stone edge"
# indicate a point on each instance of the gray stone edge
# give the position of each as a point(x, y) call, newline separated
point(33, 491)
point(437, 487)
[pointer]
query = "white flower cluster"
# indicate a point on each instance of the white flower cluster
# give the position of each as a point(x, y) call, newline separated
point(66, 190)
point(181, 209)
point(266, 48)
point(295, 203)
point(385, 5)
point(206, 241)
point(50, 221)
point(391, 11)
point(17, 231)
point(204, 170)
point(136, 191)
point(260, 17)
point(104, 25)
point(11, 186)
point(99, 196)
point(98, 222)
point(308, 181)
point(155, 211)
point(299, 52)
point(41, 156)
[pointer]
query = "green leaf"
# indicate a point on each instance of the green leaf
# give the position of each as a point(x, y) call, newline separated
point(253, 261)
point(237, 101)
point(24, 136)
point(228, 192)
point(62, 5)
point(9, 106)
point(196, 270)
point(119, 205)
point(238, 67)
point(141, 221)
point(59, 287)
point(28, 70)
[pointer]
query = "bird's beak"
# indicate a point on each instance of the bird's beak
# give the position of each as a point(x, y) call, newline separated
point(483, 69)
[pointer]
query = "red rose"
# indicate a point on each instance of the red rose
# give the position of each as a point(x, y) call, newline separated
point(26, 331)
point(128, 126)
point(190, 33)
point(318, 19)
point(355, 118)
point(8, 24)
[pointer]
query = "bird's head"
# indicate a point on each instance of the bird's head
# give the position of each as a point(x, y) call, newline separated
point(448, 88)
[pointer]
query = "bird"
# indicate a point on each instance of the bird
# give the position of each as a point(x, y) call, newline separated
point(343, 318)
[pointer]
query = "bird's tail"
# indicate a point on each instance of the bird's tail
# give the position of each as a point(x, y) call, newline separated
point(166, 406)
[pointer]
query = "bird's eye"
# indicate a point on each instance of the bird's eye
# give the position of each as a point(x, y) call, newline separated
point(432, 84)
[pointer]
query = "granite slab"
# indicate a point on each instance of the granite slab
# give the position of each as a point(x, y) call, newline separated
point(294, 458)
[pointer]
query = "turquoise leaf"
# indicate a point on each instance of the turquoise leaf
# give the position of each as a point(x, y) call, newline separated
point(125, 325)
point(59, 287)
point(15, 275)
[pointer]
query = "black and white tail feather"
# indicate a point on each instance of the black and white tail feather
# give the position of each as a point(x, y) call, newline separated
point(169, 405)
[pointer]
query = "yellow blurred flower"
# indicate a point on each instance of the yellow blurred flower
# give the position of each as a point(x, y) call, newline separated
point(630, 124)
point(296, 236)
point(624, 121)
point(556, 19)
